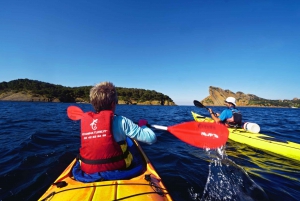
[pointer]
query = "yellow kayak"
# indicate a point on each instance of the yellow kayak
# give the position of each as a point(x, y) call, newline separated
point(260, 141)
point(146, 186)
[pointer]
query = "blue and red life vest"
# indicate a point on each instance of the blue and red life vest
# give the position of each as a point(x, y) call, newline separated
point(99, 151)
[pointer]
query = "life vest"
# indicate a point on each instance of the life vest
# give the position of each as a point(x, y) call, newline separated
point(235, 120)
point(99, 151)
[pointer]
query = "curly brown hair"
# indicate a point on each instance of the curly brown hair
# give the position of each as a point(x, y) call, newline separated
point(102, 96)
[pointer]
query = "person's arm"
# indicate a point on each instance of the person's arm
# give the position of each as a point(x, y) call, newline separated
point(214, 116)
point(124, 126)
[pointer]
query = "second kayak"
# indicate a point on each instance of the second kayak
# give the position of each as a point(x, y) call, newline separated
point(260, 141)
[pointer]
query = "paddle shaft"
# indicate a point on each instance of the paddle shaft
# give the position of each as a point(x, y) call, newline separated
point(200, 105)
point(158, 127)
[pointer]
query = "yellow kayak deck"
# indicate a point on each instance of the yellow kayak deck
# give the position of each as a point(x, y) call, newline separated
point(257, 140)
point(137, 188)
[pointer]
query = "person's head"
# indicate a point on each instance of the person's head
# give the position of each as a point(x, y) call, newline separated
point(230, 101)
point(103, 96)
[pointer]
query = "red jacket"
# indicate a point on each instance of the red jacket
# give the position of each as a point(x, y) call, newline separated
point(99, 151)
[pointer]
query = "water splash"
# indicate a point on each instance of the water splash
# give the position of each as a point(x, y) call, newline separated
point(228, 181)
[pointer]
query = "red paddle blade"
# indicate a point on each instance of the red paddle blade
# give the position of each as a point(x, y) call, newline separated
point(201, 134)
point(74, 112)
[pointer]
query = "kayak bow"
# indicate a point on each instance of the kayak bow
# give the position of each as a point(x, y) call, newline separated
point(144, 187)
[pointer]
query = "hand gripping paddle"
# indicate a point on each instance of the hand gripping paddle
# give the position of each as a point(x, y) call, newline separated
point(198, 104)
point(198, 134)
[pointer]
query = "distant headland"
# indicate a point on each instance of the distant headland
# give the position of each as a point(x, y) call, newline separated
point(217, 97)
point(37, 91)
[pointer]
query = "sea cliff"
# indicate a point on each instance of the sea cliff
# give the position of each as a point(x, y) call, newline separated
point(217, 97)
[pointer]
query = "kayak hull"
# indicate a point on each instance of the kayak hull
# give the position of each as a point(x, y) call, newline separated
point(137, 188)
point(258, 140)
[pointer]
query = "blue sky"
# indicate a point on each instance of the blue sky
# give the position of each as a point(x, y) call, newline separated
point(175, 47)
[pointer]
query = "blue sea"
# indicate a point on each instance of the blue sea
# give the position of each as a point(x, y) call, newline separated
point(38, 141)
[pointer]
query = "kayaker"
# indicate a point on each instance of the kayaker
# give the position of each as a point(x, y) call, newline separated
point(103, 134)
point(231, 116)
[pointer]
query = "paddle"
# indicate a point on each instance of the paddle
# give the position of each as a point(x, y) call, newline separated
point(198, 104)
point(198, 134)
point(74, 112)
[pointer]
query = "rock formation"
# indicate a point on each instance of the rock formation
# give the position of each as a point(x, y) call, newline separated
point(217, 97)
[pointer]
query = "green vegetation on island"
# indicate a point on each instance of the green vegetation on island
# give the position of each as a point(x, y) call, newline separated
point(58, 93)
point(275, 103)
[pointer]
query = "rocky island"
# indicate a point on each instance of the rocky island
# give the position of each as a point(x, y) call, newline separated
point(217, 97)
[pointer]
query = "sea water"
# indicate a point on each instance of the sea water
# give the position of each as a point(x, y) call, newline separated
point(38, 141)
